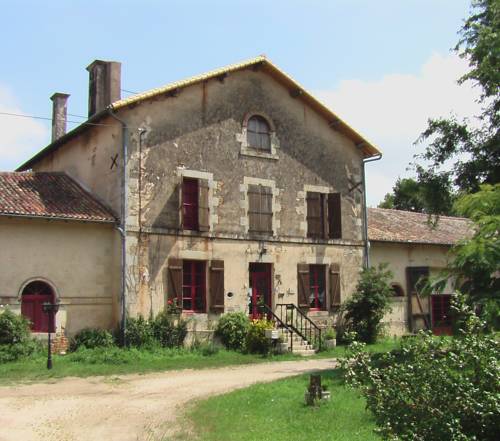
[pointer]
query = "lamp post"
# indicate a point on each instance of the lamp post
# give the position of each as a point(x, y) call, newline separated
point(51, 310)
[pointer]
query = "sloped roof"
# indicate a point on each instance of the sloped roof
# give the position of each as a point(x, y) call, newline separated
point(263, 63)
point(406, 227)
point(48, 195)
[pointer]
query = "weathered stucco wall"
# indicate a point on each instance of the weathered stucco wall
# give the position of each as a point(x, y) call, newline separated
point(80, 260)
point(88, 158)
point(399, 256)
point(200, 131)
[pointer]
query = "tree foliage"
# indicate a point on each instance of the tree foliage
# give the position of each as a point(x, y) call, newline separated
point(432, 196)
point(367, 306)
point(433, 389)
point(474, 152)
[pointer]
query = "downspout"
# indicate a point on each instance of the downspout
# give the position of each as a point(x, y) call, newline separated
point(122, 227)
point(366, 262)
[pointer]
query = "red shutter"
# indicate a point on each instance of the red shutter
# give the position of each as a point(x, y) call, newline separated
point(174, 288)
point(303, 285)
point(216, 290)
point(334, 216)
point(203, 207)
point(335, 295)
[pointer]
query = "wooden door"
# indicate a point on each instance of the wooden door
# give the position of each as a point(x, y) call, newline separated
point(441, 314)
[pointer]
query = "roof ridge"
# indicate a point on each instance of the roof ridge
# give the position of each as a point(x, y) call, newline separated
point(420, 214)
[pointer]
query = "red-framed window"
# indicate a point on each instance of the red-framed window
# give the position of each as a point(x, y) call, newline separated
point(34, 295)
point(193, 286)
point(317, 287)
point(190, 189)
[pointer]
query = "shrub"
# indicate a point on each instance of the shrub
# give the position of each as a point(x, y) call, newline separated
point(232, 329)
point(256, 340)
point(20, 350)
point(139, 332)
point(365, 310)
point(169, 331)
point(433, 389)
point(14, 328)
point(92, 338)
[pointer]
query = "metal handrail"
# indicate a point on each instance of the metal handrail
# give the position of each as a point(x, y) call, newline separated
point(306, 332)
point(281, 323)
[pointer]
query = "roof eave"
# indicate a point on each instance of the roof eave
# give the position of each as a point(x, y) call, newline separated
point(58, 218)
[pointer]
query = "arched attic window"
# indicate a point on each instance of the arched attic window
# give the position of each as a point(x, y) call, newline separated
point(259, 133)
point(34, 295)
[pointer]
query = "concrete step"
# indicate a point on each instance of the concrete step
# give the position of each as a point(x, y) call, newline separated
point(304, 352)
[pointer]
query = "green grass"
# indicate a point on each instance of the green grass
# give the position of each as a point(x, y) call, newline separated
point(383, 345)
point(277, 411)
point(115, 361)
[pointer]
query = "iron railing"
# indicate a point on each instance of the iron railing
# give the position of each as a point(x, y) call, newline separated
point(280, 324)
point(298, 322)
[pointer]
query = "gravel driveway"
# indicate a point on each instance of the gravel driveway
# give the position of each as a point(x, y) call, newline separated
point(126, 407)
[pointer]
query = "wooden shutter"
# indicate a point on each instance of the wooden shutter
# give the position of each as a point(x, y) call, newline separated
point(314, 214)
point(266, 213)
point(203, 207)
point(303, 285)
point(174, 287)
point(335, 296)
point(216, 290)
point(253, 208)
point(180, 207)
point(334, 216)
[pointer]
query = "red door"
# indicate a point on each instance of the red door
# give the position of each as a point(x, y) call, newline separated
point(34, 295)
point(441, 315)
point(260, 283)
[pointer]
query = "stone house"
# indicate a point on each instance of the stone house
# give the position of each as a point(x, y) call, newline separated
point(232, 190)
point(415, 249)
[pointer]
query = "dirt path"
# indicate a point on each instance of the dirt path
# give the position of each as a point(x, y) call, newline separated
point(123, 408)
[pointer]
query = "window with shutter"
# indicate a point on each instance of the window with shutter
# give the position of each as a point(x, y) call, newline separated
point(174, 281)
point(260, 209)
point(259, 133)
point(193, 286)
point(317, 287)
point(324, 217)
point(195, 204)
point(335, 295)
point(315, 215)
point(217, 285)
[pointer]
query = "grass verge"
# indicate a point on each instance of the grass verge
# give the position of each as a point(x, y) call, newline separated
point(276, 411)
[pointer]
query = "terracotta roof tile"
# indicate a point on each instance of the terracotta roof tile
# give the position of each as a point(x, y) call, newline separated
point(50, 195)
point(404, 226)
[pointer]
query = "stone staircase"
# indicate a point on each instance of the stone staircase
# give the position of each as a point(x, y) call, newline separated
point(301, 346)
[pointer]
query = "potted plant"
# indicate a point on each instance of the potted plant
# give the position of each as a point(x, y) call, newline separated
point(330, 338)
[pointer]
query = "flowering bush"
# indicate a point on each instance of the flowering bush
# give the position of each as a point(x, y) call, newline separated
point(256, 340)
point(433, 389)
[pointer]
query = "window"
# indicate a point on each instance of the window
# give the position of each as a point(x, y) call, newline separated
point(195, 208)
point(312, 287)
point(34, 295)
point(324, 218)
point(259, 133)
point(193, 286)
point(260, 209)
point(317, 287)
point(186, 284)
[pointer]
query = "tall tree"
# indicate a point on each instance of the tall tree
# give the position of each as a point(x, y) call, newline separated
point(474, 152)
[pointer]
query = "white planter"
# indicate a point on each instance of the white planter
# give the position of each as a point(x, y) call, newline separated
point(330, 344)
point(272, 333)
point(282, 348)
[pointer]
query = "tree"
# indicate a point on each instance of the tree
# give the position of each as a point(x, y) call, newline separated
point(367, 306)
point(434, 196)
point(473, 152)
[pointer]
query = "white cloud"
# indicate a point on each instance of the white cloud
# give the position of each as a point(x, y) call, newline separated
point(20, 137)
point(393, 111)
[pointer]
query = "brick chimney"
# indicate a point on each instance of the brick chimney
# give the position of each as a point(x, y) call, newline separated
point(59, 114)
point(104, 84)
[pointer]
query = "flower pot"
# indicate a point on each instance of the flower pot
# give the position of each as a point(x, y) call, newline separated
point(282, 347)
point(272, 333)
point(330, 344)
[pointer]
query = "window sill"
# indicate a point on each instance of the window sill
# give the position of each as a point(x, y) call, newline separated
point(258, 154)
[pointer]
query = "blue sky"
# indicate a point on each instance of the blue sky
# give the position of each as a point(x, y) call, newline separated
point(351, 53)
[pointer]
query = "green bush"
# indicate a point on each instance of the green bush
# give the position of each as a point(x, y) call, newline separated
point(103, 355)
point(92, 338)
point(232, 329)
point(20, 350)
point(139, 332)
point(169, 331)
point(365, 310)
point(14, 328)
point(256, 340)
point(432, 389)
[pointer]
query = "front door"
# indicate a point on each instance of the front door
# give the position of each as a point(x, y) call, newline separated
point(441, 315)
point(260, 285)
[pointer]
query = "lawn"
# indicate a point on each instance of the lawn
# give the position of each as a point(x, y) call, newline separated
point(276, 411)
point(115, 361)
